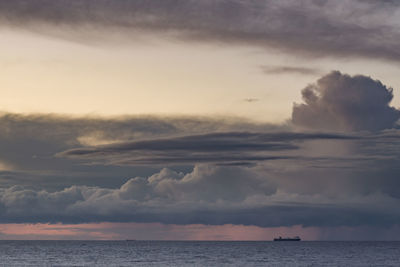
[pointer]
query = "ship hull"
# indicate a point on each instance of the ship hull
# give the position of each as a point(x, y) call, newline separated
point(287, 239)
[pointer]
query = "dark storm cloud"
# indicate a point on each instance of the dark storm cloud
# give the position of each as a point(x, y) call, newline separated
point(52, 133)
point(308, 28)
point(29, 142)
point(289, 70)
point(339, 102)
point(222, 148)
point(267, 176)
point(201, 196)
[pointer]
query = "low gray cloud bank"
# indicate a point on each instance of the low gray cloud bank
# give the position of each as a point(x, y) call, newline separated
point(207, 195)
point(339, 102)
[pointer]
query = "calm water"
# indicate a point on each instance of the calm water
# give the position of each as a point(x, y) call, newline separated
point(168, 253)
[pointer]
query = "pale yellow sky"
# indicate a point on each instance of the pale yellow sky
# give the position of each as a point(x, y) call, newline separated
point(45, 74)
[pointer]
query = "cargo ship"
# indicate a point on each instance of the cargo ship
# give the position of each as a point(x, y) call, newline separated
point(296, 238)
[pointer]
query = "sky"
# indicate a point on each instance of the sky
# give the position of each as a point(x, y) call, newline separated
point(199, 120)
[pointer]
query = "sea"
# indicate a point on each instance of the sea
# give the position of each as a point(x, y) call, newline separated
point(198, 253)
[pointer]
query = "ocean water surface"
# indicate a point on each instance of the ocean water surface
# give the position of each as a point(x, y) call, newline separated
point(198, 253)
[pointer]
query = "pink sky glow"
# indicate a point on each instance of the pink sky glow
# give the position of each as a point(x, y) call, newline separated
point(150, 231)
point(201, 232)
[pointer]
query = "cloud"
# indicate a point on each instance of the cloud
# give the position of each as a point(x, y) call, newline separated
point(310, 28)
point(26, 138)
point(340, 102)
point(122, 147)
point(268, 176)
point(138, 195)
point(207, 195)
point(94, 129)
point(251, 100)
point(30, 141)
point(219, 148)
point(289, 70)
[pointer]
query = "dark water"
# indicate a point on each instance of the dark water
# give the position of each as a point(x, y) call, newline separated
point(169, 253)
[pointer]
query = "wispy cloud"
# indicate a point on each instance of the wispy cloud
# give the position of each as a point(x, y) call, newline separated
point(218, 148)
point(310, 28)
point(289, 70)
point(251, 100)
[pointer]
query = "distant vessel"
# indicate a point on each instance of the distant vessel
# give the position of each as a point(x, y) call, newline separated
point(296, 238)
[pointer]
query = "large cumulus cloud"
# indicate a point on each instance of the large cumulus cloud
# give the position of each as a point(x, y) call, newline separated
point(340, 102)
